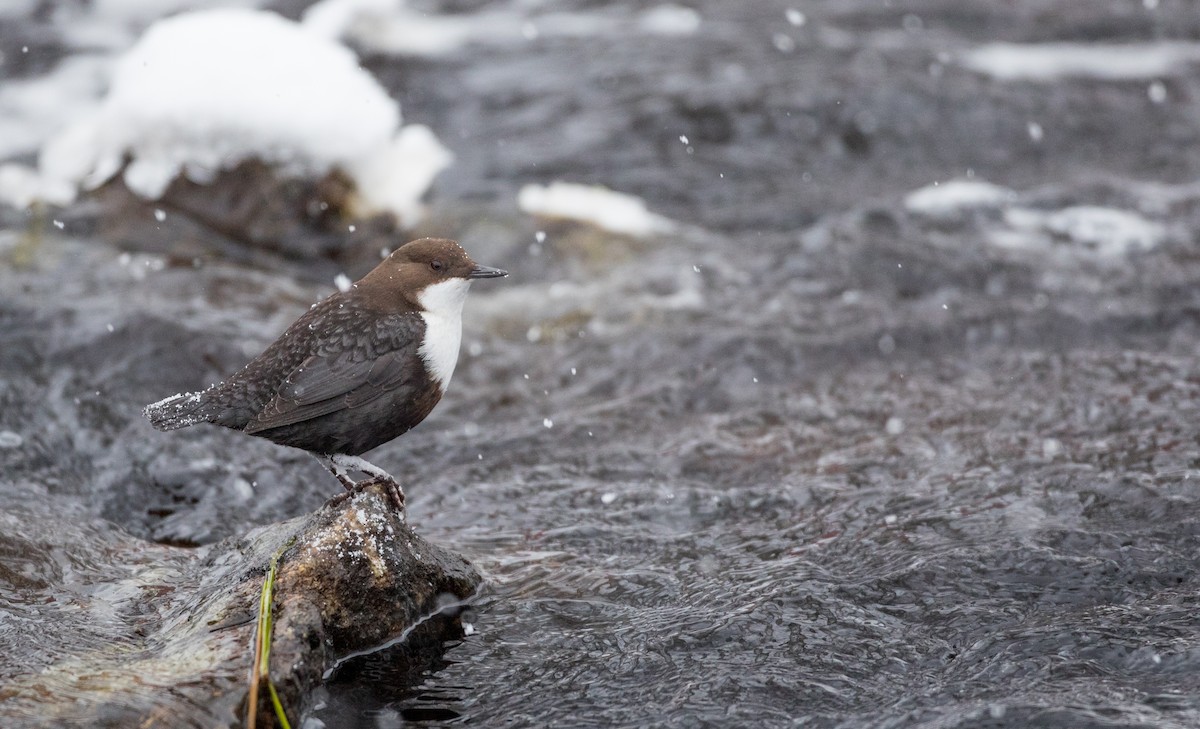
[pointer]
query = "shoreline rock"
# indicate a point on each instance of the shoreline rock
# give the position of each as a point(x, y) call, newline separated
point(352, 576)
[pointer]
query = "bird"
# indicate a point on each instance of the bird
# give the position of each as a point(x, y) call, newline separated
point(358, 369)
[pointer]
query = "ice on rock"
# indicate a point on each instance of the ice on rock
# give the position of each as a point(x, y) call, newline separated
point(202, 91)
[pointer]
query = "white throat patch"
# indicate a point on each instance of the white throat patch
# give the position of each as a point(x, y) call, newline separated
point(443, 304)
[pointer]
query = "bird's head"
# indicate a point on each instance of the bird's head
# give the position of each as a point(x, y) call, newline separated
point(433, 273)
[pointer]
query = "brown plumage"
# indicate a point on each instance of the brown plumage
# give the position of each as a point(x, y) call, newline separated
point(360, 368)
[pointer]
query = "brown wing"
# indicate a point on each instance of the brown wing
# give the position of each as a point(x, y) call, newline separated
point(327, 384)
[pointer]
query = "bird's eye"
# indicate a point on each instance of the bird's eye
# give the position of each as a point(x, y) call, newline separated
point(436, 265)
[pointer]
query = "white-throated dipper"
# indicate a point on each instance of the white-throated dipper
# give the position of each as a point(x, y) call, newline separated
point(358, 369)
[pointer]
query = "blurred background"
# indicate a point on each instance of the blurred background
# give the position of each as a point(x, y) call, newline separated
point(845, 375)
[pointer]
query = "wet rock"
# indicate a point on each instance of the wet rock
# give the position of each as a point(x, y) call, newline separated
point(251, 214)
point(149, 635)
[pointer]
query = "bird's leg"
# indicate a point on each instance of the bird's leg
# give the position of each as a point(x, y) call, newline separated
point(354, 463)
point(340, 464)
point(338, 471)
point(395, 495)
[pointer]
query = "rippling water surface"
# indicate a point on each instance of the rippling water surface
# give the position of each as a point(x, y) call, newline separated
point(820, 458)
point(953, 574)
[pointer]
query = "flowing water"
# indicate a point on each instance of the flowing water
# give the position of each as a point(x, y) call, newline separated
point(819, 458)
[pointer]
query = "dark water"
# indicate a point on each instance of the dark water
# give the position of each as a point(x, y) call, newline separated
point(951, 575)
point(814, 461)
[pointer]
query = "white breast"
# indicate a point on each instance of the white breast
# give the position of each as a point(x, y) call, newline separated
point(443, 303)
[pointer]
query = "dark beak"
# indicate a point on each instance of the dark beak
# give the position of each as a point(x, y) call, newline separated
point(486, 272)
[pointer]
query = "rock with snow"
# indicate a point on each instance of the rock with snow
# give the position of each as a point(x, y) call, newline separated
point(202, 92)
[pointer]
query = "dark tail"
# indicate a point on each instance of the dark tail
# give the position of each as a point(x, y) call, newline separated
point(176, 411)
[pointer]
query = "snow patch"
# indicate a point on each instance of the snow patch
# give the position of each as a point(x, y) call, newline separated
point(387, 26)
point(948, 198)
point(114, 25)
point(32, 110)
point(396, 177)
point(599, 206)
point(1106, 232)
point(670, 20)
point(21, 186)
point(188, 397)
point(1047, 62)
point(1109, 232)
point(202, 91)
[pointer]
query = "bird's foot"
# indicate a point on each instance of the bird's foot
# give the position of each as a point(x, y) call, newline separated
point(394, 493)
point(340, 465)
point(337, 499)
